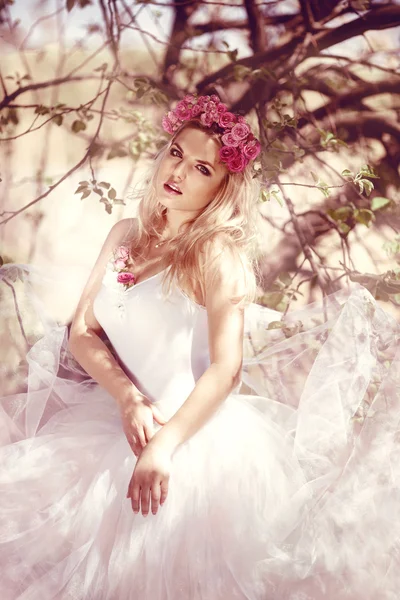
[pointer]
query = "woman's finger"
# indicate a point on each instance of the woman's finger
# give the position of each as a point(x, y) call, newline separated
point(149, 431)
point(135, 446)
point(145, 499)
point(155, 496)
point(164, 490)
point(134, 494)
point(141, 436)
point(157, 416)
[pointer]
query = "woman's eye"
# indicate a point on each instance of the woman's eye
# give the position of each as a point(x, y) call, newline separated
point(204, 170)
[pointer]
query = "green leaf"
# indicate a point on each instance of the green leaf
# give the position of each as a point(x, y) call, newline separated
point(80, 189)
point(314, 176)
point(344, 228)
point(104, 184)
point(140, 81)
point(368, 171)
point(364, 216)
point(240, 72)
point(78, 126)
point(86, 194)
point(116, 152)
point(112, 194)
point(277, 197)
point(347, 173)
point(58, 119)
point(107, 205)
point(340, 214)
point(368, 186)
point(42, 110)
point(379, 202)
point(285, 278)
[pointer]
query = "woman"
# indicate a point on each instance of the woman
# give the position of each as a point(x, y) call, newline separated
point(155, 479)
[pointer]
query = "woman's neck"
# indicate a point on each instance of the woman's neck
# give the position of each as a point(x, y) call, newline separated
point(174, 220)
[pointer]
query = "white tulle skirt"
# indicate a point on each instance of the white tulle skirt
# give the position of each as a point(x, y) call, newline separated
point(291, 492)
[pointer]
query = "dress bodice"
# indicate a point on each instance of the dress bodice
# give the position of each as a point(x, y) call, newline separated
point(161, 342)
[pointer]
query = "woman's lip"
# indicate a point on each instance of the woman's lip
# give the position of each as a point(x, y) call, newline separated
point(170, 190)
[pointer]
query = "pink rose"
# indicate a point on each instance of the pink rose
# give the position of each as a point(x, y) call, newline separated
point(228, 153)
point(241, 119)
point(214, 98)
point(240, 131)
point(206, 119)
point(229, 140)
point(172, 117)
point(167, 125)
point(238, 163)
point(202, 101)
point(122, 253)
point(252, 149)
point(119, 264)
point(210, 106)
point(189, 99)
point(226, 119)
point(196, 110)
point(182, 111)
point(221, 108)
point(126, 278)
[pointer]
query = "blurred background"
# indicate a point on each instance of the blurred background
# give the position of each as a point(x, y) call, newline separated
point(83, 87)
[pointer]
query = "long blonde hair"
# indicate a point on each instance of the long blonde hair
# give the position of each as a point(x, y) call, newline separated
point(228, 222)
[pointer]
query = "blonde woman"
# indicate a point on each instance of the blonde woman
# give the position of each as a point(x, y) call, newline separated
point(155, 479)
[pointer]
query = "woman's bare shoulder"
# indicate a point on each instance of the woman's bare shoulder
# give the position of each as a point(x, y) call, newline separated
point(124, 230)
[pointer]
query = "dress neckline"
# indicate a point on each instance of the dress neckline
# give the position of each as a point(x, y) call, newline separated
point(149, 278)
point(193, 302)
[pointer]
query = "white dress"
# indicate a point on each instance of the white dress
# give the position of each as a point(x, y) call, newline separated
point(291, 492)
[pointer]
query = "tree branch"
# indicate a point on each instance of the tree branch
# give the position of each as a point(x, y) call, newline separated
point(382, 18)
point(74, 168)
point(8, 98)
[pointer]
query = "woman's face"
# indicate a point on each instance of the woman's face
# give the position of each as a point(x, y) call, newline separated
point(191, 166)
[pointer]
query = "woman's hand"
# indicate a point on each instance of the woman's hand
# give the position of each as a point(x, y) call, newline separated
point(137, 416)
point(150, 479)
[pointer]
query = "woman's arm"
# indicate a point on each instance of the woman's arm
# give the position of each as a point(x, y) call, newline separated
point(137, 412)
point(84, 341)
point(225, 336)
point(150, 480)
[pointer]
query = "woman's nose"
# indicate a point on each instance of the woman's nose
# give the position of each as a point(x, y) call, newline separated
point(180, 169)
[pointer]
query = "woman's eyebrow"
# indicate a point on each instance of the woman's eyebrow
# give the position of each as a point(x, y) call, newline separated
point(203, 162)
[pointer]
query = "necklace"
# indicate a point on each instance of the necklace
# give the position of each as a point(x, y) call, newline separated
point(160, 243)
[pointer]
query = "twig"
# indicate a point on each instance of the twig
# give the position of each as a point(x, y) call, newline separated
point(301, 237)
point(17, 311)
point(74, 168)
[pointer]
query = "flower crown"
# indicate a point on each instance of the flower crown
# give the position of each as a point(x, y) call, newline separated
point(239, 144)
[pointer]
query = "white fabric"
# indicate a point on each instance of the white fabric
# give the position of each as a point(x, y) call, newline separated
point(288, 493)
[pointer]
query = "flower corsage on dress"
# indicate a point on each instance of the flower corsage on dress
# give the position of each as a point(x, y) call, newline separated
point(118, 277)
